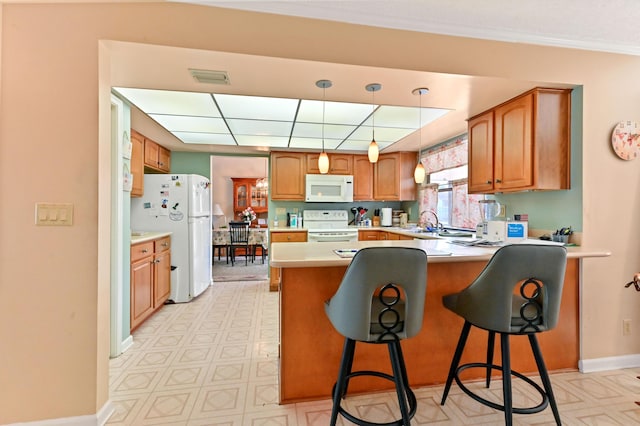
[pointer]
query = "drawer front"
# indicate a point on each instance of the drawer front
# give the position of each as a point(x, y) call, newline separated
point(163, 244)
point(142, 250)
point(288, 237)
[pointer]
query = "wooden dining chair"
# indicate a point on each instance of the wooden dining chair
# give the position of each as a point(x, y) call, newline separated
point(239, 233)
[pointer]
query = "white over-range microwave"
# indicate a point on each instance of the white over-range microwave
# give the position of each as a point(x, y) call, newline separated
point(329, 188)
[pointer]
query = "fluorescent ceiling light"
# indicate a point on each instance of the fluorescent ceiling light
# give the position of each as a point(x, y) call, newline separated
point(267, 122)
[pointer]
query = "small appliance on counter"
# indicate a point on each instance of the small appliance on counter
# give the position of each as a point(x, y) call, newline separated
point(386, 216)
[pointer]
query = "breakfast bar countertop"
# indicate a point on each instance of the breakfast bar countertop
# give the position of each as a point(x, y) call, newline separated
point(301, 255)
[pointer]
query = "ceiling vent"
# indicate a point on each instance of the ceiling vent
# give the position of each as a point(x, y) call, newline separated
point(210, 77)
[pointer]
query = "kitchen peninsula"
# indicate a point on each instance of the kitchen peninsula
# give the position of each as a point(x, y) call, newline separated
point(310, 348)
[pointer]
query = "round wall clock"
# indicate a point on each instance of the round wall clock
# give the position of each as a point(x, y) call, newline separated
point(625, 139)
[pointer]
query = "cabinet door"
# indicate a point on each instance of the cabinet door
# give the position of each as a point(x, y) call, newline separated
point(164, 159)
point(137, 164)
point(339, 164)
point(162, 278)
point(386, 179)
point(151, 152)
point(287, 176)
point(513, 166)
point(241, 196)
point(393, 177)
point(481, 153)
point(362, 178)
point(141, 290)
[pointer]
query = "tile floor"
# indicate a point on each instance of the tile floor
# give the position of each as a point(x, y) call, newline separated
point(214, 362)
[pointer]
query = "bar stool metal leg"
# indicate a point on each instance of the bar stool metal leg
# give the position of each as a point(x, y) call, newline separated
point(490, 346)
point(506, 379)
point(456, 360)
point(544, 376)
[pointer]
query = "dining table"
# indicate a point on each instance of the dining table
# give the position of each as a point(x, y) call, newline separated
point(221, 238)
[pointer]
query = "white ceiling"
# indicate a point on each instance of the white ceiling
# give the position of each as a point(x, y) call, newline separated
point(587, 24)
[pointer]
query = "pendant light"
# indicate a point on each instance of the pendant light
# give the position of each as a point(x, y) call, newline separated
point(419, 173)
point(373, 146)
point(323, 159)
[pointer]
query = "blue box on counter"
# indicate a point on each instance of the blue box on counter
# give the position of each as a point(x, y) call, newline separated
point(517, 231)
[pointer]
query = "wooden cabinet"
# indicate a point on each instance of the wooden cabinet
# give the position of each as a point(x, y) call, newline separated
point(246, 194)
point(157, 159)
point(283, 237)
point(390, 179)
point(393, 177)
point(287, 176)
point(362, 178)
point(339, 164)
point(368, 235)
point(137, 164)
point(150, 157)
point(522, 144)
point(141, 283)
point(150, 278)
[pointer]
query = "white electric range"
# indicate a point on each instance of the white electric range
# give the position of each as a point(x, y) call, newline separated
point(328, 226)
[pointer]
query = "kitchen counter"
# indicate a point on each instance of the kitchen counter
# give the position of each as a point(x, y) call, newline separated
point(144, 236)
point(310, 348)
point(438, 249)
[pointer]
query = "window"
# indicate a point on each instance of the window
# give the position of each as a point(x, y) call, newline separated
point(446, 192)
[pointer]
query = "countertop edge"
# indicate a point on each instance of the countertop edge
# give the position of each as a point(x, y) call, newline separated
point(148, 236)
point(307, 255)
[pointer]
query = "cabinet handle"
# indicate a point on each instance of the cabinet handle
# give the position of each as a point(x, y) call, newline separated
point(489, 182)
point(144, 250)
point(498, 181)
point(289, 237)
point(165, 244)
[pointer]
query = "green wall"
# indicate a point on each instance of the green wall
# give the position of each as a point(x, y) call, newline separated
point(198, 163)
point(555, 209)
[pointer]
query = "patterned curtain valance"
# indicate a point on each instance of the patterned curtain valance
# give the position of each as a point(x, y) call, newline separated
point(445, 156)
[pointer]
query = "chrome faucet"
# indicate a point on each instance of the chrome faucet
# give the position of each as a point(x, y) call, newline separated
point(422, 222)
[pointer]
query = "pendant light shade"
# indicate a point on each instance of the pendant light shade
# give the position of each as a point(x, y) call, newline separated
point(373, 146)
point(323, 159)
point(420, 173)
point(323, 162)
point(373, 151)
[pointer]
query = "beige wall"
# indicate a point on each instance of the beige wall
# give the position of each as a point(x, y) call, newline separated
point(54, 146)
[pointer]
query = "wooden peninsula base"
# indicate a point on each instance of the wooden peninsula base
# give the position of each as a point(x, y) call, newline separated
point(310, 348)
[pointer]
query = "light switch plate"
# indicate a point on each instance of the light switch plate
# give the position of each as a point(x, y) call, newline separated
point(54, 214)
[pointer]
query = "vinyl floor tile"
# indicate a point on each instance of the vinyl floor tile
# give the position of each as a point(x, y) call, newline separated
point(214, 362)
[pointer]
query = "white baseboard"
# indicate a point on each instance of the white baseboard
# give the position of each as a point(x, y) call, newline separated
point(609, 363)
point(98, 419)
point(126, 343)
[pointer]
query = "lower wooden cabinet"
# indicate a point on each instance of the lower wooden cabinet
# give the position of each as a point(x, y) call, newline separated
point(283, 237)
point(150, 278)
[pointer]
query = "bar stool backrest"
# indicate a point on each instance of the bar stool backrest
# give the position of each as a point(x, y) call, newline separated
point(371, 269)
point(519, 290)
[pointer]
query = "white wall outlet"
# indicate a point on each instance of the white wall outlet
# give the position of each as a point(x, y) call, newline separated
point(626, 327)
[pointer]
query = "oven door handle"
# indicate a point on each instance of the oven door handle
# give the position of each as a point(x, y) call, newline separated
point(332, 237)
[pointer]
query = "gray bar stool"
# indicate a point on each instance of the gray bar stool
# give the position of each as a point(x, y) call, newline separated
point(490, 303)
point(379, 301)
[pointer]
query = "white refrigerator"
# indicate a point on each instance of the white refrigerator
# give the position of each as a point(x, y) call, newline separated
point(180, 204)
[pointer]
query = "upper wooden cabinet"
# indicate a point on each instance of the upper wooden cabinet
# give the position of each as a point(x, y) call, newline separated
point(246, 194)
point(522, 144)
point(362, 178)
point(393, 177)
point(157, 159)
point(152, 158)
point(287, 176)
point(137, 164)
point(339, 164)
